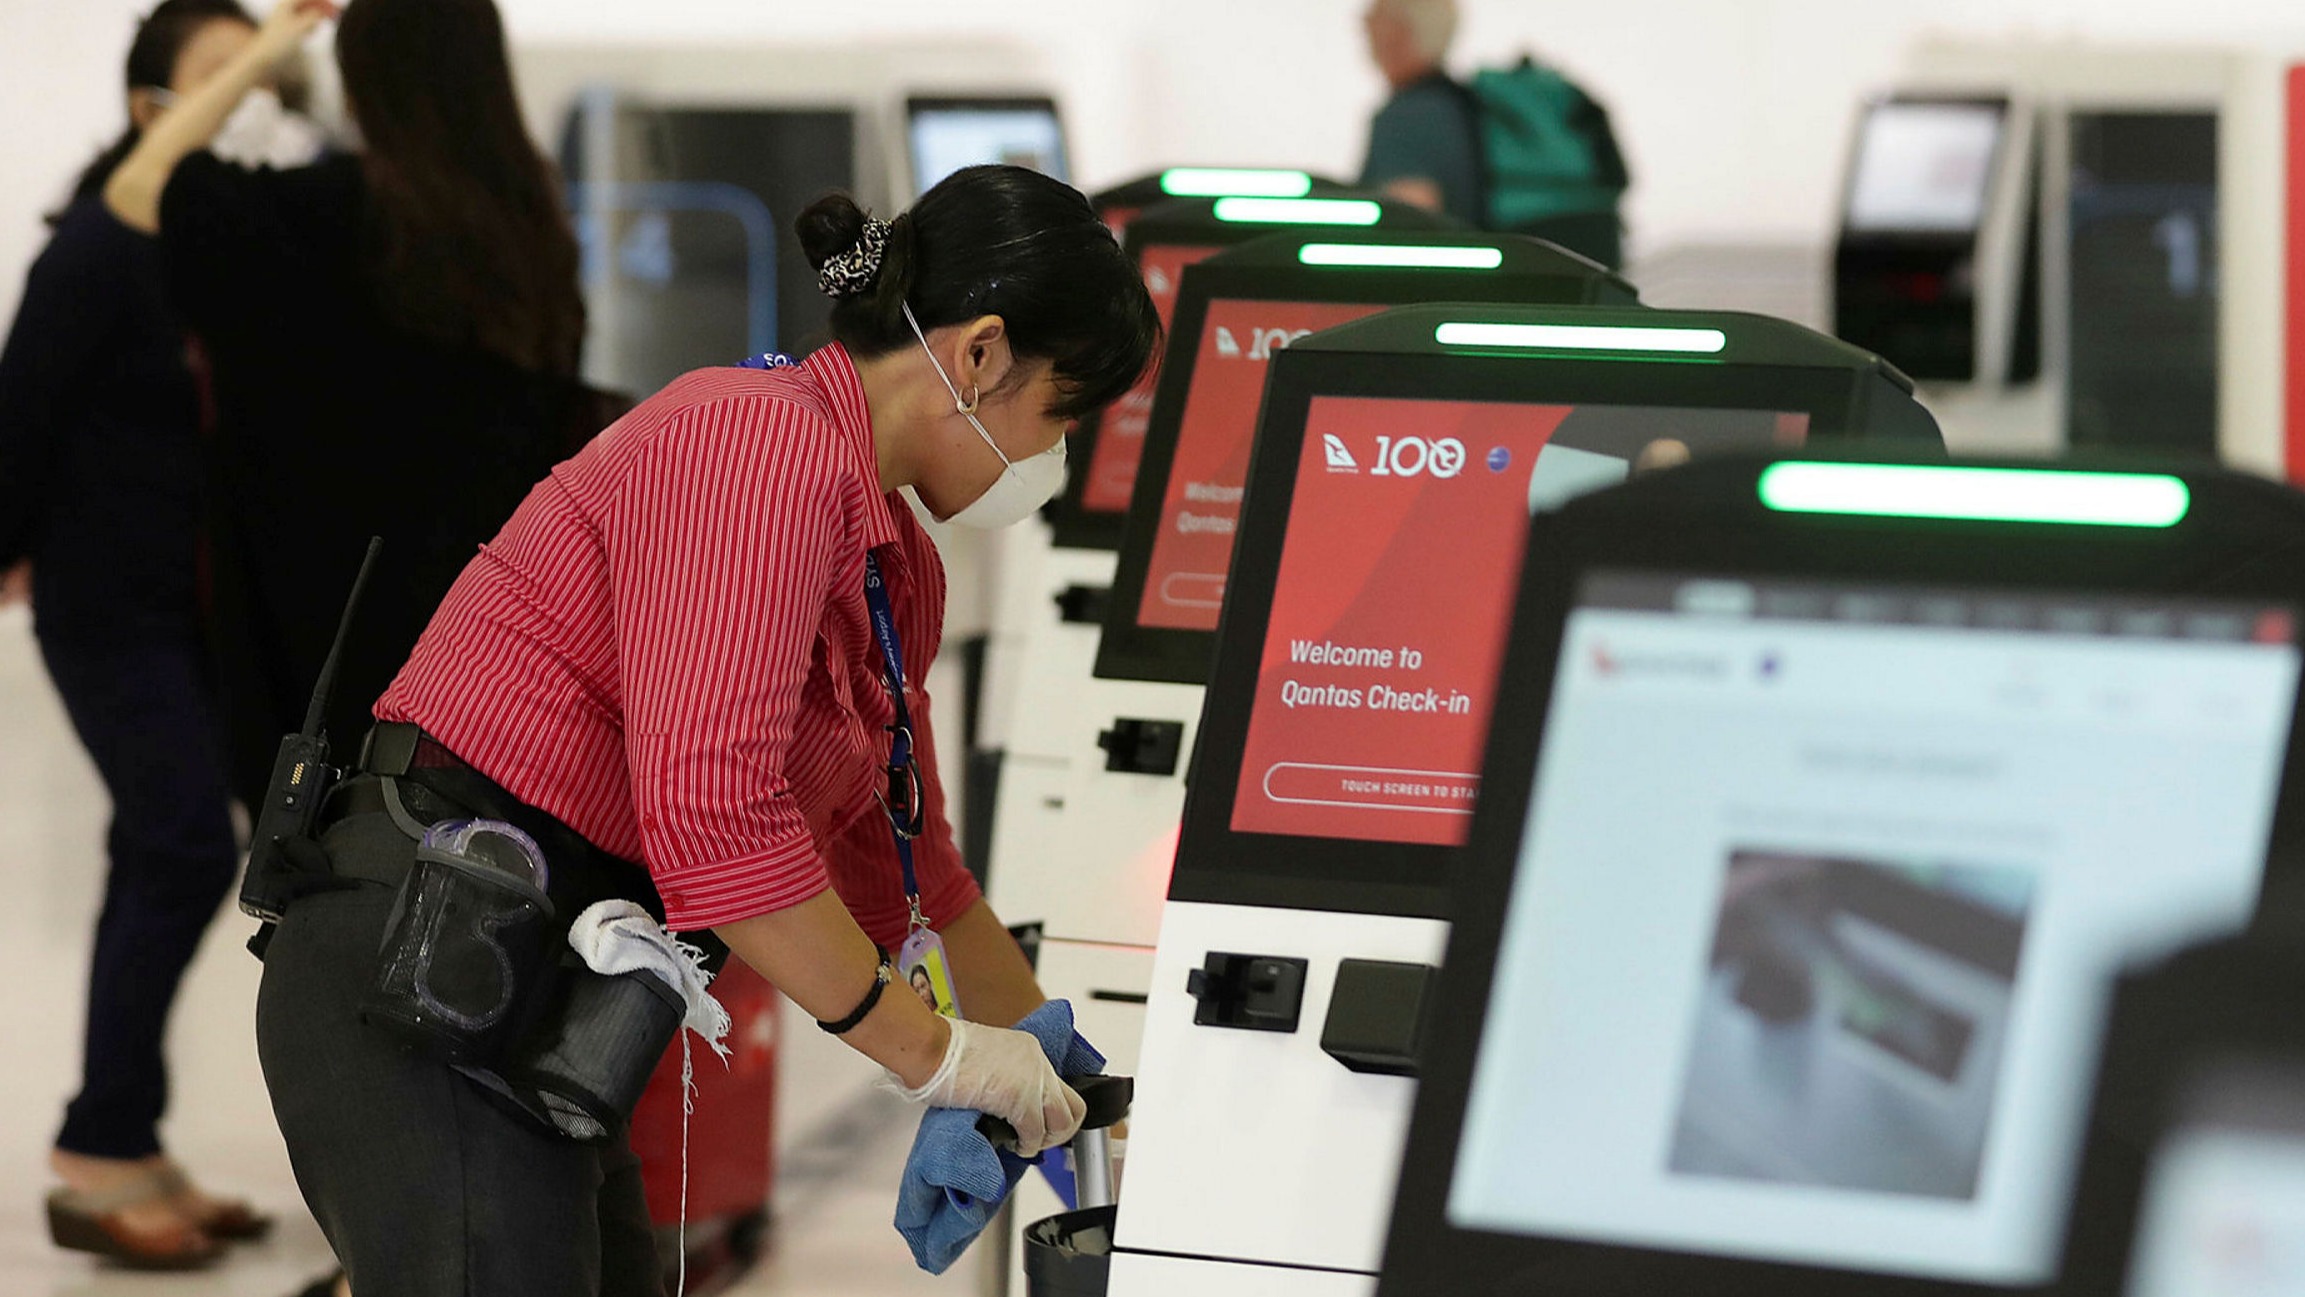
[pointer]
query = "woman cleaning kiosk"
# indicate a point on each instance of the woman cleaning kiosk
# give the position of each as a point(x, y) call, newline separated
point(676, 653)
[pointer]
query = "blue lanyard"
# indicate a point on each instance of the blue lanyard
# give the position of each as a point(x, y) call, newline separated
point(903, 798)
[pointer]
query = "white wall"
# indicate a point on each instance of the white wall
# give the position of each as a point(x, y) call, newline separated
point(1735, 112)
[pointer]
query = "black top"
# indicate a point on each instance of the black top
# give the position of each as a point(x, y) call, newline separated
point(99, 426)
point(332, 426)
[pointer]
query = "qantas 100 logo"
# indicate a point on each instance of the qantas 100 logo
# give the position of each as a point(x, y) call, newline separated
point(1262, 342)
point(1399, 456)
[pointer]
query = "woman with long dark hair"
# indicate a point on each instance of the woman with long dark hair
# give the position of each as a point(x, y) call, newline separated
point(393, 335)
point(99, 507)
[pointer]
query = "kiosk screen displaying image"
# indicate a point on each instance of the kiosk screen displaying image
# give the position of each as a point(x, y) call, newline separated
point(949, 134)
point(1820, 898)
point(1185, 580)
point(1395, 588)
point(2224, 1207)
point(1924, 168)
point(1120, 430)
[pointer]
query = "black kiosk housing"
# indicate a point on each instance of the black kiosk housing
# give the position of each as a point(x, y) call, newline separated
point(1278, 270)
point(1121, 204)
point(2241, 544)
point(1199, 227)
point(1555, 356)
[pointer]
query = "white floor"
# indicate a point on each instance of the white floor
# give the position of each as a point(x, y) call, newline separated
point(842, 1141)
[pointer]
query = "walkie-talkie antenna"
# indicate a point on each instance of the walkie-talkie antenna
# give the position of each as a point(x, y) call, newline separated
point(326, 685)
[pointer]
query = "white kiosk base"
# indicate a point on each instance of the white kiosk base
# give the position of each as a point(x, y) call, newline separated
point(1259, 1162)
point(1081, 850)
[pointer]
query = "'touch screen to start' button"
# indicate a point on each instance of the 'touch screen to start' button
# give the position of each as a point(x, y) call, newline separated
point(1372, 788)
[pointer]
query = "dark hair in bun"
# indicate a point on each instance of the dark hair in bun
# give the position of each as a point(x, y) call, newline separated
point(1003, 241)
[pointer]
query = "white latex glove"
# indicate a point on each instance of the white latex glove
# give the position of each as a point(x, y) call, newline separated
point(1003, 1072)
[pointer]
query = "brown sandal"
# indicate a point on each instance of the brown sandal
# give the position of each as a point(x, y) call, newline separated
point(91, 1221)
point(232, 1221)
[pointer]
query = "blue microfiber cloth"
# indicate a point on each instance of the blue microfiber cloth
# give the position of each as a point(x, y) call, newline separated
point(955, 1180)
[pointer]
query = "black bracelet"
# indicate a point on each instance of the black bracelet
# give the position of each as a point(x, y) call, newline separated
point(880, 981)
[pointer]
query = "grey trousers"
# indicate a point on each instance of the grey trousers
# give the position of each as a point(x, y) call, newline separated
point(424, 1186)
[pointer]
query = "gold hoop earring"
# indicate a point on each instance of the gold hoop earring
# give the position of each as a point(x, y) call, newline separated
point(974, 395)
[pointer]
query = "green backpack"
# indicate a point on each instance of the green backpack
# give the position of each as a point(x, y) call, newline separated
point(1546, 146)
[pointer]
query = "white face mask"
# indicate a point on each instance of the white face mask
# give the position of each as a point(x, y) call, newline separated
point(1021, 488)
point(261, 132)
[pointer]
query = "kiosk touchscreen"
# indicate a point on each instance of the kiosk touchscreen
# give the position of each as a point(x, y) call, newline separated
point(1824, 803)
point(948, 132)
point(1234, 313)
point(1085, 840)
point(1397, 465)
point(1163, 241)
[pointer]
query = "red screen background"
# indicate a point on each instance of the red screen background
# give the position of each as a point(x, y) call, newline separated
point(1120, 432)
point(1185, 579)
point(1422, 562)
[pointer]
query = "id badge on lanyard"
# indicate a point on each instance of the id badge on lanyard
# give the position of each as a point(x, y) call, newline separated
point(920, 961)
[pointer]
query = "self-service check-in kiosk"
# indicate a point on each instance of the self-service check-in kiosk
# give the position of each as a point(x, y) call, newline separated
point(1398, 461)
point(1020, 586)
point(1823, 803)
point(1055, 583)
point(1022, 600)
point(2085, 247)
point(1086, 846)
point(1086, 843)
point(1936, 263)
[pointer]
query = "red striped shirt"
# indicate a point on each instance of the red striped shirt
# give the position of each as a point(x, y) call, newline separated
point(668, 649)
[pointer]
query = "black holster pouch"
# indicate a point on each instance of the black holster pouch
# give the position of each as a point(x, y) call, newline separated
point(476, 968)
point(462, 971)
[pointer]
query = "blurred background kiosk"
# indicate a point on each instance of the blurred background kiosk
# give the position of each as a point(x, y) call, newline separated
point(1823, 804)
point(2075, 246)
point(945, 133)
point(1397, 463)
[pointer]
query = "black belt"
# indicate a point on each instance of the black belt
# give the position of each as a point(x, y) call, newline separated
point(434, 784)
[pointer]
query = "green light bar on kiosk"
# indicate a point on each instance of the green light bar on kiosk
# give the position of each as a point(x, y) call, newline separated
point(1400, 256)
point(1298, 211)
point(1582, 337)
point(1977, 494)
point(1231, 182)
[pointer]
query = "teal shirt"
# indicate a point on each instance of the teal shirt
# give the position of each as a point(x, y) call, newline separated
point(1427, 129)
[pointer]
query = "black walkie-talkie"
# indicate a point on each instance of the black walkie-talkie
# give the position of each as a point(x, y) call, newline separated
point(301, 778)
